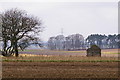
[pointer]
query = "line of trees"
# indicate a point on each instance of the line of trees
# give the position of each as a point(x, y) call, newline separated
point(60, 42)
point(103, 41)
point(77, 42)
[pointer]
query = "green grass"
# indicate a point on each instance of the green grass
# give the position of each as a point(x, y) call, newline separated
point(109, 53)
point(29, 50)
point(62, 51)
point(7, 60)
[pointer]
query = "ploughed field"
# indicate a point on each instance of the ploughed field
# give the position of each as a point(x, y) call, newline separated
point(61, 64)
point(60, 69)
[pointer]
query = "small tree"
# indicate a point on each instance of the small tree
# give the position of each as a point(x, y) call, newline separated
point(20, 30)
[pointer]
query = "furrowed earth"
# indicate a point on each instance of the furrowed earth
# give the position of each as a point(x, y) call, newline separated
point(61, 64)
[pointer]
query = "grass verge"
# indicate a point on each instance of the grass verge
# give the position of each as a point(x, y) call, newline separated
point(7, 60)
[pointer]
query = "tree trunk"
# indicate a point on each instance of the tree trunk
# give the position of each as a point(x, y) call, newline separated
point(16, 49)
point(4, 48)
point(5, 45)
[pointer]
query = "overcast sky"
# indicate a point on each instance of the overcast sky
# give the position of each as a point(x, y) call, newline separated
point(74, 17)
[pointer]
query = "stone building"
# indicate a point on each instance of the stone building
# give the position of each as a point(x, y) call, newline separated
point(94, 50)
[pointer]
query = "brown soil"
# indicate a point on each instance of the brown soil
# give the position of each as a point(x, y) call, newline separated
point(60, 70)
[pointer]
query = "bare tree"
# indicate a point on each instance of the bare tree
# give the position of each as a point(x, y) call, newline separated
point(60, 42)
point(20, 29)
point(51, 43)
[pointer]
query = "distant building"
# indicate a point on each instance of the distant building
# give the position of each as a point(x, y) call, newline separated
point(94, 50)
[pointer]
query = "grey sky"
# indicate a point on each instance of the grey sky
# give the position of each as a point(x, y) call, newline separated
point(74, 17)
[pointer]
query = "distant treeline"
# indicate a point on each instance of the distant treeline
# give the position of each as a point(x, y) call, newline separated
point(77, 42)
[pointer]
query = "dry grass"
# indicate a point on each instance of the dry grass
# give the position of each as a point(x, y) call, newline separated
point(58, 58)
point(32, 57)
